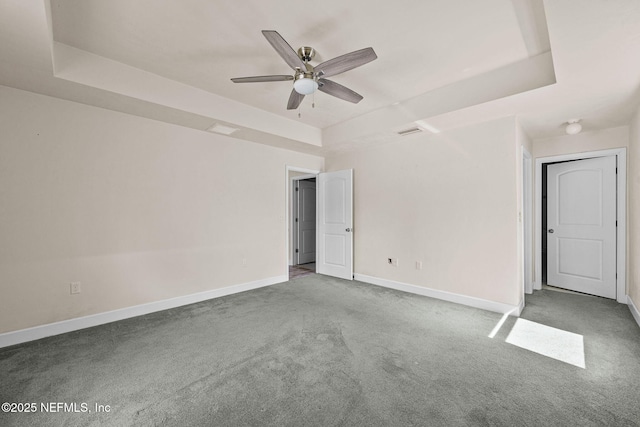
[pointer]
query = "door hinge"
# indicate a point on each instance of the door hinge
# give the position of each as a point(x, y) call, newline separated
point(297, 188)
point(296, 251)
point(296, 219)
point(616, 223)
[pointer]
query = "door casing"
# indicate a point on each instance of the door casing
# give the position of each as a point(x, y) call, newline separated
point(526, 222)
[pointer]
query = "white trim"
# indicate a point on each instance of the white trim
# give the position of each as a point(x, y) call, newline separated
point(526, 223)
point(311, 172)
point(621, 271)
point(634, 310)
point(301, 177)
point(483, 304)
point(621, 155)
point(293, 226)
point(42, 331)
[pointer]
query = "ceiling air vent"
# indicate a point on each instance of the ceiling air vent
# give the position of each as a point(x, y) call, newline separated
point(409, 131)
point(222, 129)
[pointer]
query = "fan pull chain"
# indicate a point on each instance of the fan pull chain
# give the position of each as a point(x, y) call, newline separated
point(313, 100)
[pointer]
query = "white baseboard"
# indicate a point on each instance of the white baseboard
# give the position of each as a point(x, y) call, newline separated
point(634, 310)
point(484, 304)
point(519, 309)
point(42, 331)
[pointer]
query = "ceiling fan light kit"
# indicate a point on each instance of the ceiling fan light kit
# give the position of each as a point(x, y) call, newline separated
point(307, 78)
point(305, 85)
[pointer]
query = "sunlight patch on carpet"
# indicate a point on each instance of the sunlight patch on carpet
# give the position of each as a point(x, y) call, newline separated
point(551, 342)
point(498, 325)
point(496, 329)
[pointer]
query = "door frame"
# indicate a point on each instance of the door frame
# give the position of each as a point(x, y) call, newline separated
point(289, 189)
point(621, 214)
point(526, 223)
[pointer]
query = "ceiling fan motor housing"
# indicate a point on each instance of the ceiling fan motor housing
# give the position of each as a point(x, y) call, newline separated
point(306, 53)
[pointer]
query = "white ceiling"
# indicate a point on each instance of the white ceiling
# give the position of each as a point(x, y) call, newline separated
point(446, 63)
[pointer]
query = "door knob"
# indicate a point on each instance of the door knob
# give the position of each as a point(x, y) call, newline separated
point(551, 230)
point(348, 230)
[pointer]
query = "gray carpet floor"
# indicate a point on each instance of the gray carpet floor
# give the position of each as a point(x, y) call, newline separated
point(318, 351)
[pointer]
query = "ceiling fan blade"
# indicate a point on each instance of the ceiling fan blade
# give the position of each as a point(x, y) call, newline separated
point(255, 79)
point(339, 91)
point(345, 62)
point(294, 100)
point(284, 49)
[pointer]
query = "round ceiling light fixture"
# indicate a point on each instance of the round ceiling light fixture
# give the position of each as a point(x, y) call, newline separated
point(573, 127)
point(305, 85)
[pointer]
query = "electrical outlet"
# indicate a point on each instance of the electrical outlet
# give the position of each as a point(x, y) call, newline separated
point(74, 287)
point(392, 261)
point(418, 265)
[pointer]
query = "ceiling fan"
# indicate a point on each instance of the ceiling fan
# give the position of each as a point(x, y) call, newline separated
point(307, 78)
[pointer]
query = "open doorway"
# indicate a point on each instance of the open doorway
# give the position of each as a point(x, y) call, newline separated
point(294, 176)
point(334, 220)
point(303, 226)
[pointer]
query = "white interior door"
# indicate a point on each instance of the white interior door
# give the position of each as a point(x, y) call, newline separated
point(581, 226)
point(306, 222)
point(335, 223)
